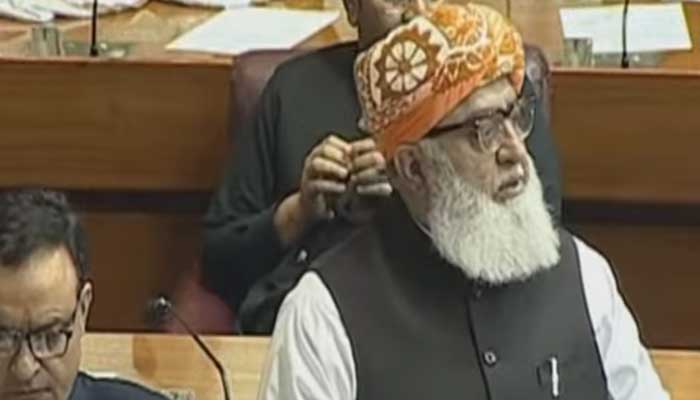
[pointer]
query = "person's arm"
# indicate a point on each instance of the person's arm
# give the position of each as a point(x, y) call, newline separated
point(248, 226)
point(325, 171)
point(310, 357)
point(545, 155)
point(628, 367)
point(240, 241)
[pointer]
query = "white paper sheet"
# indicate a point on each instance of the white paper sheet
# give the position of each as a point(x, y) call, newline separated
point(253, 28)
point(649, 27)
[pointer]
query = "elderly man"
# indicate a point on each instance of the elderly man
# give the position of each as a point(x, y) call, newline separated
point(275, 211)
point(461, 287)
point(45, 299)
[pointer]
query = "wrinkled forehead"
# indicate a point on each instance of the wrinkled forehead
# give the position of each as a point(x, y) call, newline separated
point(497, 95)
point(42, 289)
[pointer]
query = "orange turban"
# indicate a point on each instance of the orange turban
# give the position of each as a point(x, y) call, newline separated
point(410, 80)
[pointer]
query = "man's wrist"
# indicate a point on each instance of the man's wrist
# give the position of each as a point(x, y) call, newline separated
point(289, 219)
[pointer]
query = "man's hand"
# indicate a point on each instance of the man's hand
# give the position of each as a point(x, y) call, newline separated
point(368, 169)
point(326, 170)
point(368, 184)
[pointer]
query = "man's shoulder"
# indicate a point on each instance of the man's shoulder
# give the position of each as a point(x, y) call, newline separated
point(598, 276)
point(91, 388)
point(590, 258)
point(332, 61)
point(361, 242)
point(338, 54)
point(593, 264)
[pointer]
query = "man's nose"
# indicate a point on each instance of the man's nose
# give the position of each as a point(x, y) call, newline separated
point(512, 149)
point(25, 366)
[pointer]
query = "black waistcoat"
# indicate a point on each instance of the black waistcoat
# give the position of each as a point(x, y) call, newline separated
point(420, 330)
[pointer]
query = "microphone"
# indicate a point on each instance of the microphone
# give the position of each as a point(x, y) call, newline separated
point(625, 62)
point(160, 309)
point(94, 51)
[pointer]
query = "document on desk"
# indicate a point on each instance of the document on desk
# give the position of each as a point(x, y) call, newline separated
point(240, 30)
point(650, 27)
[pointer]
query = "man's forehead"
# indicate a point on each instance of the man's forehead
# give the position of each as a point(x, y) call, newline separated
point(32, 318)
point(43, 288)
point(494, 96)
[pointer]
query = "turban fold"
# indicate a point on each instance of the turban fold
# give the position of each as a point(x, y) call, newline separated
point(410, 80)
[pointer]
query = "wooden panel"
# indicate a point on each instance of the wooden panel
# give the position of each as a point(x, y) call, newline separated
point(103, 127)
point(113, 125)
point(135, 256)
point(628, 136)
point(173, 362)
point(657, 270)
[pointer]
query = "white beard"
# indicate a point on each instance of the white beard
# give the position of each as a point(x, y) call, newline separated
point(489, 241)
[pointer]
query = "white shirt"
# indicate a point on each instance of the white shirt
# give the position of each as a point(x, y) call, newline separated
point(310, 356)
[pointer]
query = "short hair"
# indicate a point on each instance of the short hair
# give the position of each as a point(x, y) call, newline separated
point(34, 220)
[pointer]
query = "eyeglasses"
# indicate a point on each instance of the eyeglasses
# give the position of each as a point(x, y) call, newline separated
point(489, 130)
point(43, 344)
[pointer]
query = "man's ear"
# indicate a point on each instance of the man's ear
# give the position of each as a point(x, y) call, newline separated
point(86, 296)
point(407, 164)
point(352, 8)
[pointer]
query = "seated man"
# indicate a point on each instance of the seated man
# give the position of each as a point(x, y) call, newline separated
point(461, 287)
point(45, 299)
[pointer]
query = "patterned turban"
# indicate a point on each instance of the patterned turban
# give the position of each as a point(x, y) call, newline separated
point(422, 70)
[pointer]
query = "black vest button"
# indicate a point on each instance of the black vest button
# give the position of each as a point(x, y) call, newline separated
point(302, 256)
point(490, 358)
point(477, 292)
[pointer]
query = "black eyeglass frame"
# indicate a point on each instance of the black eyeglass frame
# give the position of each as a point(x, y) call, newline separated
point(477, 125)
point(68, 332)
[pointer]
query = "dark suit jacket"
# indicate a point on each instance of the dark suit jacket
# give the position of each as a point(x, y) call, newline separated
point(89, 388)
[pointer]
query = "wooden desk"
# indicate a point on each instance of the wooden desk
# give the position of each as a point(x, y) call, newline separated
point(679, 371)
point(142, 34)
point(146, 31)
point(141, 141)
point(173, 362)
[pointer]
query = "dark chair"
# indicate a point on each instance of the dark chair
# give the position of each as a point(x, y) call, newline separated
point(199, 307)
